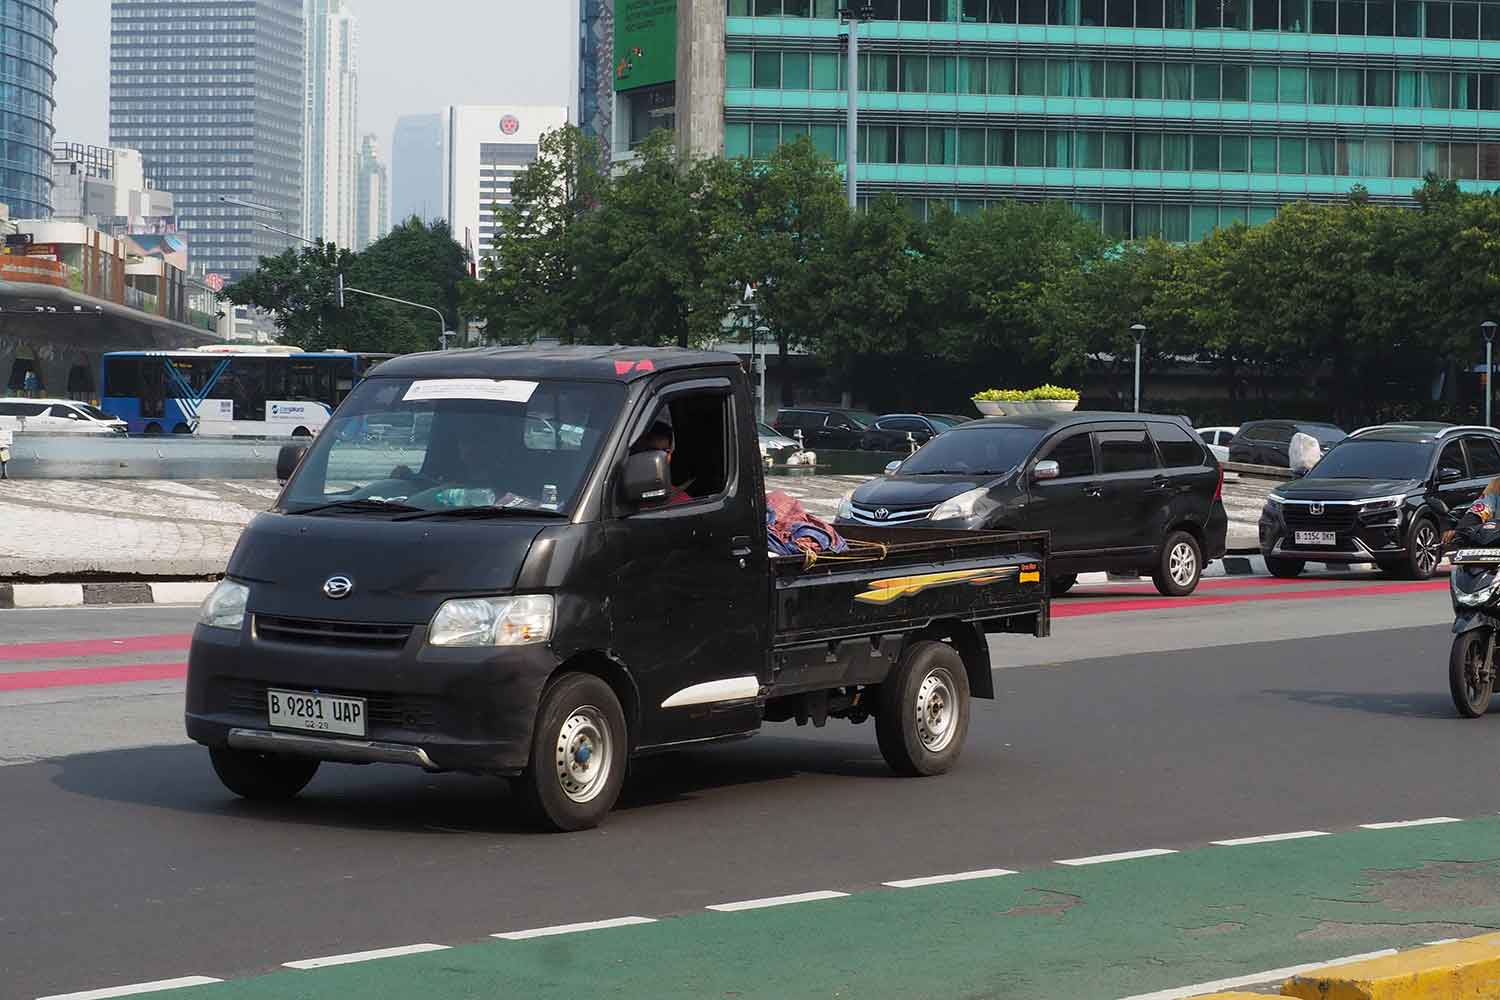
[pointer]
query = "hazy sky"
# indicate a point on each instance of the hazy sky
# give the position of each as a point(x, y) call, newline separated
point(414, 58)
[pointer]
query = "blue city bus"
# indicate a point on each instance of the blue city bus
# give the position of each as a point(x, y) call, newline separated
point(230, 391)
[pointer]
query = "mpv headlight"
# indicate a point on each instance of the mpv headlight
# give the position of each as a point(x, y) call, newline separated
point(224, 607)
point(492, 621)
point(846, 506)
point(960, 506)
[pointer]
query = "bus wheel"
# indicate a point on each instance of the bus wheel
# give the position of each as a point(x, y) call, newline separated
point(153, 429)
point(301, 432)
point(182, 429)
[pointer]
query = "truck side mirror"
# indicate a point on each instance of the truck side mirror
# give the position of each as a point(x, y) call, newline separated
point(1044, 471)
point(288, 459)
point(647, 478)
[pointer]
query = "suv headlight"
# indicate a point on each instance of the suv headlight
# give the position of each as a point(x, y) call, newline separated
point(960, 506)
point(492, 621)
point(1381, 505)
point(224, 607)
point(846, 506)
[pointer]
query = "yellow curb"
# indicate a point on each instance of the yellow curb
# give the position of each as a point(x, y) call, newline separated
point(1462, 970)
point(1231, 996)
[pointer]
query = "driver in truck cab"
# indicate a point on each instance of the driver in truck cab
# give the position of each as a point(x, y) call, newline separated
point(660, 438)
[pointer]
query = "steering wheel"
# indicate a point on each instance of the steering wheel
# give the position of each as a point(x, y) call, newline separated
point(405, 473)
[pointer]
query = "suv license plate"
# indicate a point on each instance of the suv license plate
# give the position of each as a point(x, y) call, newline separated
point(319, 713)
point(1316, 538)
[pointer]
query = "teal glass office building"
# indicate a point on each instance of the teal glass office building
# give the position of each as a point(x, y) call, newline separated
point(1153, 117)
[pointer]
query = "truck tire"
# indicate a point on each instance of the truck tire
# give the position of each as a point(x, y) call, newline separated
point(262, 777)
point(578, 752)
point(1179, 567)
point(923, 714)
point(1064, 583)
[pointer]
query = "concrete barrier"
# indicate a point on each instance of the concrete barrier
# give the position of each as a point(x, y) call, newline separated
point(1458, 970)
point(1258, 471)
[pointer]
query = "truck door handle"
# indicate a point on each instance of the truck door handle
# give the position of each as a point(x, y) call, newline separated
point(739, 547)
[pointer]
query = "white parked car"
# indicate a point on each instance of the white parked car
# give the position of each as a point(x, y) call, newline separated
point(1217, 439)
point(57, 416)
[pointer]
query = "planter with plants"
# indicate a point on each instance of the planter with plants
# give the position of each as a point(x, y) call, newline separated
point(1013, 402)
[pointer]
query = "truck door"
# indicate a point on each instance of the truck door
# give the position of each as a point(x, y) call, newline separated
point(689, 599)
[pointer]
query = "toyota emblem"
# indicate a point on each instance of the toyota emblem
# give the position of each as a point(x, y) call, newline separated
point(881, 513)
point(338, 587)
point(1316, 510)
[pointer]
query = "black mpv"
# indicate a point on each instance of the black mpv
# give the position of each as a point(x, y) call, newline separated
point(1383, 495)
point(1118, 491)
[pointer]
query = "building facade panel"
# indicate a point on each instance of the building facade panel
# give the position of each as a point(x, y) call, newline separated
point(28, 54)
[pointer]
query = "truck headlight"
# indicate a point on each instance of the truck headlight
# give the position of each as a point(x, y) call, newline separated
point(224, 607)
point(960, 506)
point(492, 621)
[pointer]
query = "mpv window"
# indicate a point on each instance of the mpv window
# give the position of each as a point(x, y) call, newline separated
point(1363, 458)
point(1178, 448)
point(991, 451)
point(1483, 457)
point(1074, 456)
point(489, 443)
point(901, 424)
point(1125, 451)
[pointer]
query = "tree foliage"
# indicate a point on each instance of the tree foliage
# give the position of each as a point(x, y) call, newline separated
point(416, 261)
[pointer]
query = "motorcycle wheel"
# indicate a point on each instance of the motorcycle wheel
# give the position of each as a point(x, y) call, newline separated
point(1469, 678)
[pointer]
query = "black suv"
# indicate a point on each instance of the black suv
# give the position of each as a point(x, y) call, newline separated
point(1383, 495)
point(1118, 491)
point(895, 431)
point(824, 427)
point(1269, 442)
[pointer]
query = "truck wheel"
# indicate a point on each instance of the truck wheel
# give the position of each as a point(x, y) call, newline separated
point(923, 712)
point(1062, 584)
point(577, 755)
point(1180, 566)
point(263, 777)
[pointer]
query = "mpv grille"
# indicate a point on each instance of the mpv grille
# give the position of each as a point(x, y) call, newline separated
point(403, 711)
point(879, 515)
point(312, 632)
point(1335, 517)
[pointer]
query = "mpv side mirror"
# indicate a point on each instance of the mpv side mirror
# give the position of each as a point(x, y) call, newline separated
point(288, 459)
point(891, 467)
point(1448, 474)
point(647, 477)
point(1043, 471)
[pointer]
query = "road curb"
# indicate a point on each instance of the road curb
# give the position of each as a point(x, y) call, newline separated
point(1449, 971)
point(107, 593)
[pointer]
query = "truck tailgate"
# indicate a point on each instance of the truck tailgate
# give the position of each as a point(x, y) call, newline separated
point(922, 575)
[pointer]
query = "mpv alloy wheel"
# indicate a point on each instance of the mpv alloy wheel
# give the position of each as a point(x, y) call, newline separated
point(1182, 564)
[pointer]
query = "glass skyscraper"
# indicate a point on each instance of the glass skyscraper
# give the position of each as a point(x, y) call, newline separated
point(1154, 117)
point(213, 93)
point(27, 54)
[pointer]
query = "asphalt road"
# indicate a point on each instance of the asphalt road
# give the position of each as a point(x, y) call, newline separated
point(1253, 709)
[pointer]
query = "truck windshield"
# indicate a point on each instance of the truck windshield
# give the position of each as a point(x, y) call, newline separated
point(446, 444)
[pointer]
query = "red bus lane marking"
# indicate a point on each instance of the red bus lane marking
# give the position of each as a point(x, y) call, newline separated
point(1073, 608)
point(93, 647)
point(82, 676)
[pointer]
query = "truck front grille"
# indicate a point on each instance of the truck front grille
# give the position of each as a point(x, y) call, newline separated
point(313, 632)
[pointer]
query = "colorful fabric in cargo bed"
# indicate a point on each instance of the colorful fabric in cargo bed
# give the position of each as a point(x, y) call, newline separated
point(792, 531)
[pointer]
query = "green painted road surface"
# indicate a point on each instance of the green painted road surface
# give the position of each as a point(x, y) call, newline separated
point(1061, 933)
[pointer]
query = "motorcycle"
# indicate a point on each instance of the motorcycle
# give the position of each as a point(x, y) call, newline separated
point(1474, 586)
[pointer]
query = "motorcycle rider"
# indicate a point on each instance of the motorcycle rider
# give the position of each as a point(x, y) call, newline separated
point(1480, 522)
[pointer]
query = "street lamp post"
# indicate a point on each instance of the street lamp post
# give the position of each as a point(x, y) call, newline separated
point(854, 12)
point(1139, 332)
point(761, 362)
point(1488, 329)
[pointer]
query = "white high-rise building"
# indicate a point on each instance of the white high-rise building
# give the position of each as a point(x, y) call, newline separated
point(484, 148)
point(374, 208)
point(331, 142)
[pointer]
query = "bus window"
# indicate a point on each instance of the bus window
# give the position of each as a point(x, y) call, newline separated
point(122, 376)
point(343, 380)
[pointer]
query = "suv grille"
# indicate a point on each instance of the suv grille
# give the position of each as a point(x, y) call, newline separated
point(872, 515)
point(402, 711)
point(312, 632)
point(1335, 517)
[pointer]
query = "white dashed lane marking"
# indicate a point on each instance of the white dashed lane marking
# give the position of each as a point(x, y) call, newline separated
point(364, 956)
point(135, 989)
point(913, 883)
point(1103, 859)
point(1270, 838)
point(591, 925)
point(760, 904)
point(1402, 824)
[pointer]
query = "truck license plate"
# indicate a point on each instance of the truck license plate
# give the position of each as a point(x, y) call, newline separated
point(1316, 538)
point(319, 713)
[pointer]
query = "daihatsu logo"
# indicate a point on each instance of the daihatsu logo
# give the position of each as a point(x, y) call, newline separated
point(338, 587)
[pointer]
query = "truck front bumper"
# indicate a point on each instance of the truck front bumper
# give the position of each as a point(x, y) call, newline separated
point(440, 709)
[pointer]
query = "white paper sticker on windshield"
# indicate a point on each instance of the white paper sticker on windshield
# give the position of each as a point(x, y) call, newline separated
point(499, 390)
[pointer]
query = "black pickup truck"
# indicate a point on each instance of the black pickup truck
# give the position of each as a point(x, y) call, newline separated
point(568, 567)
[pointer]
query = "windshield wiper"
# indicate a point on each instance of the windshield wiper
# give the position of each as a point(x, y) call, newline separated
point(378, 506)
point(481, 512)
